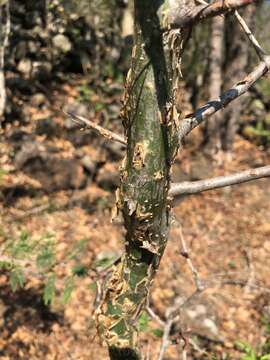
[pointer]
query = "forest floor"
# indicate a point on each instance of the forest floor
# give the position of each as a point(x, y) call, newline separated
point(226, 231)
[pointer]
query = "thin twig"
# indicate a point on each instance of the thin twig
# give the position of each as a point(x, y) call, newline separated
point(195, 187)
point(251, 277)
point(154, 316)
point(173, 313)
point(185, 254)
point(99, 129)
point(243, 283)
point(165, 339)
point(259, 50)
point(148, 352)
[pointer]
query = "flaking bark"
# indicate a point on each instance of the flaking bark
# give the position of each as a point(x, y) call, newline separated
point(150, 122)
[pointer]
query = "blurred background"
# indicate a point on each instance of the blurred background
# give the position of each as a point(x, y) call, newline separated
point(57, 184)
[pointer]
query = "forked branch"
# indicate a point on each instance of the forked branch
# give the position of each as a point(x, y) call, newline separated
point(195, 187)
point(183, 18)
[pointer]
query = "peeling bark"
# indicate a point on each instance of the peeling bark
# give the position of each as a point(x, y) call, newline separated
point(151, 114)
point(150, 119)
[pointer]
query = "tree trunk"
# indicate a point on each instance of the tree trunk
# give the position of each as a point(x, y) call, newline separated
point(237, 60)
point(2, 61)
point(213, 128)
point(150, 120)
point(4, 38)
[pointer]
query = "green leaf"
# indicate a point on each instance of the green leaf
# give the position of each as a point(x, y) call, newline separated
point(157, 332)
point(144, 322)
point(6, 265)
point(16, 279)
point(79, 270)
point(265, 357)
point(248, 350)
point(99, 106)
point(46, 257)
point(21, 247)
point(24, 236)
point(68, 288)
point(49, 290)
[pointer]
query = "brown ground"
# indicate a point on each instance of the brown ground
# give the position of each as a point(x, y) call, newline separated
point(227, 232)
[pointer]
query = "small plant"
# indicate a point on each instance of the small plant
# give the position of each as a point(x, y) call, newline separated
point(25, 255)
point(250, 353)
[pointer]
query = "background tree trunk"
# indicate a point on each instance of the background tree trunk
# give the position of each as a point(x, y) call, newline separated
point(4, 35)
point(237, 56)
point(213, 128)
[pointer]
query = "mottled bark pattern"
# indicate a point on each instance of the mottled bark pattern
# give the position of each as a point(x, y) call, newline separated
point(150, 121)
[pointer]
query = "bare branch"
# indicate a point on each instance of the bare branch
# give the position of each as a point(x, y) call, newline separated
point(195, 187)
point(251, 277)
point(193, 120)
point(99, 129)
point(185, 254)
point(154, 316)
point(165, 338)
point(259, 50)
point(184, 18)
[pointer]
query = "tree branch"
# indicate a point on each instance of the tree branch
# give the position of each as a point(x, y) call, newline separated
point(99, 129)
point(195, 187)
point(254, 42)
point(193, 120)
point(186, 17)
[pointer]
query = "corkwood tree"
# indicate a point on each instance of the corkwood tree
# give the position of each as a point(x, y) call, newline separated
point(155, 129)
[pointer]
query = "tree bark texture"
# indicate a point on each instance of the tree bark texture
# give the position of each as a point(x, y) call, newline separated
point(150, 119)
